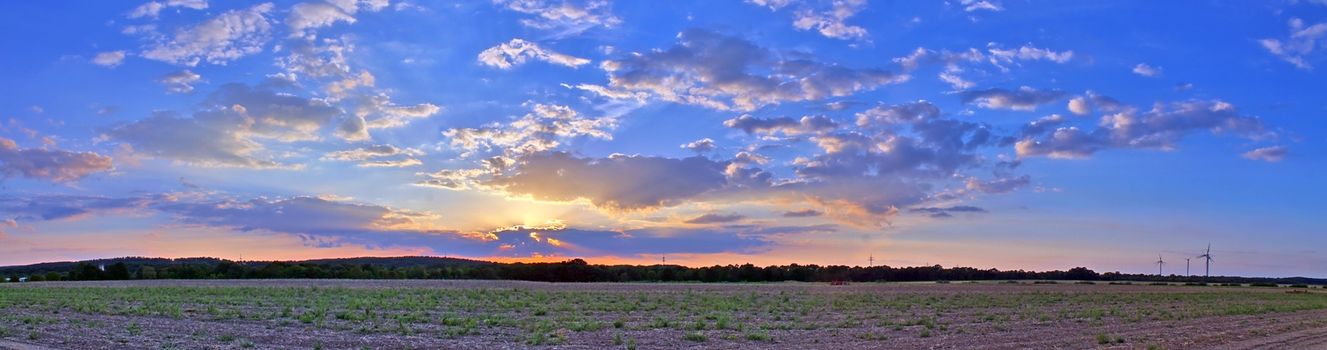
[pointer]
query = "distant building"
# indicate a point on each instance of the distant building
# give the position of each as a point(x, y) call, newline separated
point(23, 279)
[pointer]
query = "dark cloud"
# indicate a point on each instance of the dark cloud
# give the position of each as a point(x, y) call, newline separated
point(1023, 99)
point(785, 125)
point(59, 207)
point(946, 212)
point(715, 218)
point(619, 182)
point(726, 72)
point(802, 213)
point(228, 130)
point(999, 185)
point(49, 164)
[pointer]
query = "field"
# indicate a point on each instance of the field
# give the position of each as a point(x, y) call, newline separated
point(400, 314)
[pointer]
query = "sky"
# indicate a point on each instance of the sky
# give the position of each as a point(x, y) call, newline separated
point(1003, 134)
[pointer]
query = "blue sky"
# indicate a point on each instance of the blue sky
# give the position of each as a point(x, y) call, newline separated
point(1008, 134)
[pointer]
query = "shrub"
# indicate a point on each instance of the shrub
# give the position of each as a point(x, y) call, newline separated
point(1262, 284)
point(696, 337)
point(757, 335)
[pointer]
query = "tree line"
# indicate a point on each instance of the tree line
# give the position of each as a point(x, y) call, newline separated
point(578, 270)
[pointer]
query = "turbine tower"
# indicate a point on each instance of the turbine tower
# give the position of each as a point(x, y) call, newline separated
point(1160, 263)
point(1207, 255)
point(1186, 267)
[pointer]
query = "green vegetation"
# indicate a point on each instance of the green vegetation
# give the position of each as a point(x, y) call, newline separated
point(539, 317)
point(574, 270)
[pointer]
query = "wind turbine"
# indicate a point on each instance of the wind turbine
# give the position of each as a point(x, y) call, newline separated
point(1160, 263)
point(1186, 267)
point(1207, 255)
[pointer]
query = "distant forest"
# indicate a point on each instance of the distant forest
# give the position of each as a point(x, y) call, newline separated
point(575, 270)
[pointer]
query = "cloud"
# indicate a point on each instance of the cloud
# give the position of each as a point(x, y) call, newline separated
point(307, 15)
point(785, 125)
point(1079, 106)
point(312, 15)
point(981, 5)
point(515, 52)
point(1267, 154)
point(49, 164)
point(1145, 70)
point(700, 146)
point(773, 5)
point(108, 58)
point(1027, 53)
point(619, 182)
point(725, 72)
point(180, 82)
point(945, 212)
point(369, 152)
point(802, 213)
point(229, 36)
point(228, 131)
point(1023, 99)
point(63, 207)
point(563, 18)
point(543, 129)
point(368, 156)
point(714, 218)
point(379, 112)
point(1297, 48)
point(153, 8)
point(831, 22)
point(1162, 128)
point(999, 185)
point(399, 163)
point(957, 63)
point(902, 114)
point(568, 241)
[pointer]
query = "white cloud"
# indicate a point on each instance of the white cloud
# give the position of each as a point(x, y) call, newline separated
point(1027, 53)
point(310, 15)
point(1267, 154)
point(318, 14)
point(1300, 45)
point(1079, 106)
point(564, 17)
point(773, 5)
point(700, 146)
point(180, 82)
point(543, 129)
point(153, 9)
point(981, 5)
point(1160, 128)
point(1145, 70)
point(831, 23)
point(224, 38)
point(108, 59)
point(515, 52)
